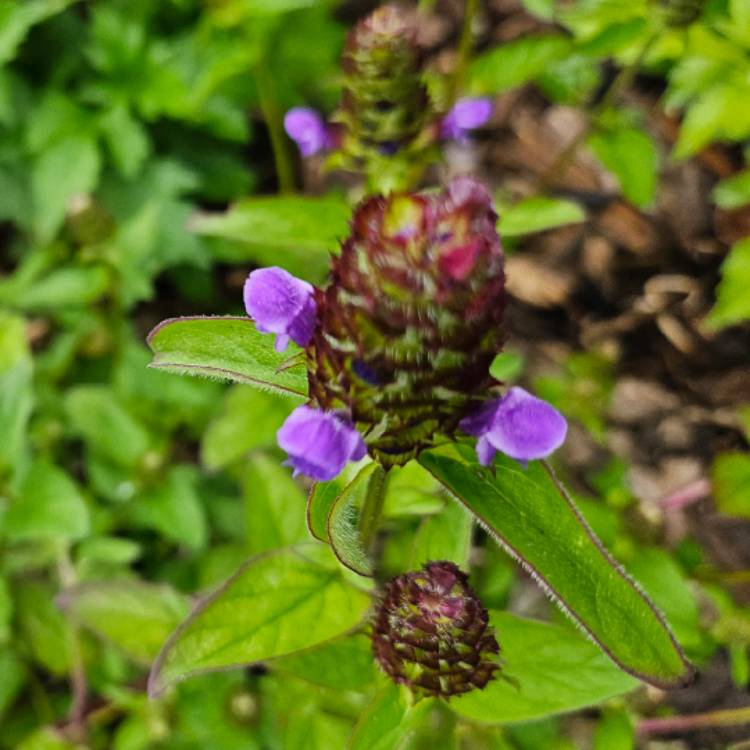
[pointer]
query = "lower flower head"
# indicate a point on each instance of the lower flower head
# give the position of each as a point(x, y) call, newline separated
point(464, 116)
point(282, 304)
point(518, 424)
point(319, 443)
point(432, 634)
point(307, 129)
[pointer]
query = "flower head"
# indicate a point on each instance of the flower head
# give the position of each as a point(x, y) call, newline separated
point(282, 304)
point(308, 129)
point(518, 424)
point(431, 633)
point(319, 443)
point(412, 318)
point(465, 115)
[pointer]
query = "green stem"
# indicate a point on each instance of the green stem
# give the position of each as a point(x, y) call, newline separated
point(465, 47)
point(372, 508)
point(269, 106)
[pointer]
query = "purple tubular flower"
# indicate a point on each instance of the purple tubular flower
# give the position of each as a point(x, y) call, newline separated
point(282, 304)
point(465, 115)
point(518, 424)
point(307, 128)
point(319, 443)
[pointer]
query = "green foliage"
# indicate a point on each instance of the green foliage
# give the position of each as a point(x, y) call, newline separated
point(537, 214)
point(226, 348)
point(732, 304)
point(275, 605)
point(731, 483)
point(545, 532)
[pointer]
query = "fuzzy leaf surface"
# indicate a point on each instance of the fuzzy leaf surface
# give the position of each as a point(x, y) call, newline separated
point(532, 521)
point(276, 604)
point(551, 669)
point(227, 348)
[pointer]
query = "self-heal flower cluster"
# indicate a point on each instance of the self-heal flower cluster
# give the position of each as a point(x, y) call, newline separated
point(398, 345)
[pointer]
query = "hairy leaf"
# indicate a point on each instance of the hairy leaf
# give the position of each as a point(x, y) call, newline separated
point(527, 515)
point(228, 348)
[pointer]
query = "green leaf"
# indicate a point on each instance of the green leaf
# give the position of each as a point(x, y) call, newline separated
point(296, 232)
point(532, 521)
point(228, 438)
point(16, 393)
point(70, 166)
point(614, 731)
point(537, 214)
point(734, 192)
point(229, 349)
point(445, 536)
point(106, 426)
point(127, 140)
point(343, 534)
point(508, 366)
point(343, 664)
point(135, 616)
point(49, 506)
point(174, 509)
point(274, 505)
point(14, 676)
point(733, 302)
point(16, 18)
point(551, 669)
point(275, 605)
point(631, 156)
point(388, 723)
point(515, 63)
point(731, 484)
point(65, 287)
point(322, 497)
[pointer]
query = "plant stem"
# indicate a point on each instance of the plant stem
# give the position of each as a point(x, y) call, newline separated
point(269, 106)
point(78, 686)
point(372, 508)
point(465, 46)
point(725, 718)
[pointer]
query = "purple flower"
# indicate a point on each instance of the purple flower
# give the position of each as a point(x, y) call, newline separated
point(319, 443)
point(282, 304)
point(465, 115)
point(518, 424)
point(307, 128)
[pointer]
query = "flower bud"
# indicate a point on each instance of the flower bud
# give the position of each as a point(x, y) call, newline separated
point(412, 318)
point(386, 109)
point(431, 633)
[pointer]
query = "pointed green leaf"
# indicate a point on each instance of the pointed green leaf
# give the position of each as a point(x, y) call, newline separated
point(276, 604)
point(343, 534)
point(533, 522)
point(550, 669)
point(322, 497)
point(228, 348)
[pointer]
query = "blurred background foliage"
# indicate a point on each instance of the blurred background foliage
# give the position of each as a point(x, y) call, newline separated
point(141, 151)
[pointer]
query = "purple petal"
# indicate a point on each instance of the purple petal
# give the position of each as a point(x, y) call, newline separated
point(307, 128)
point(520, 425)
point(281, 303)
point(319, 443)
point(466, 114)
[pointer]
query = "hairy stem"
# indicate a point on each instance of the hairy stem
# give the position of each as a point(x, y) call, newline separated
point(372, 508)
point(724, 718)
point(465, 47)
point(269, 106)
